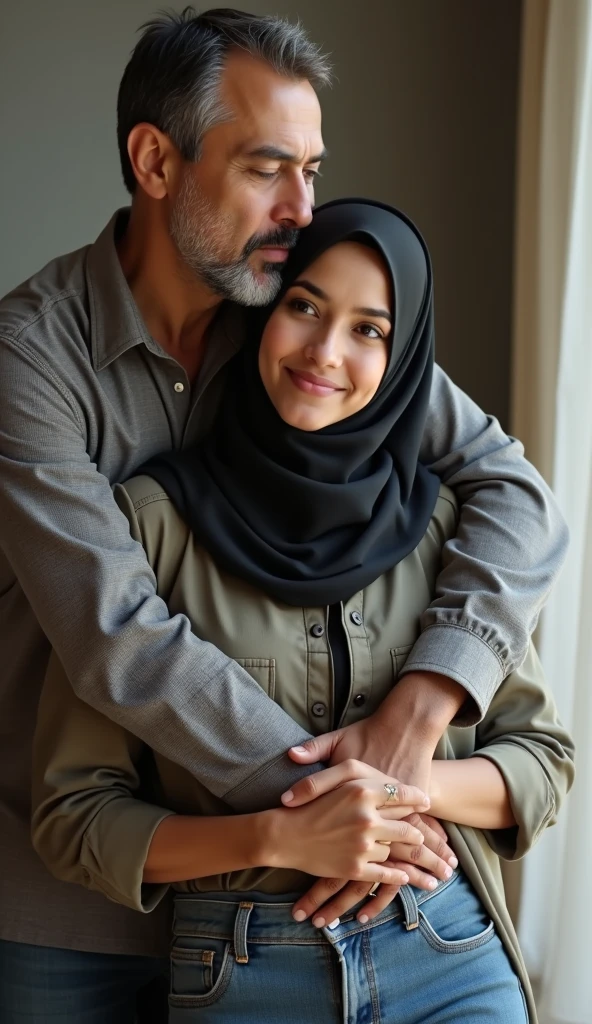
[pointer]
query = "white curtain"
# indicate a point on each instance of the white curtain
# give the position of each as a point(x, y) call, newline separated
point(552, 406)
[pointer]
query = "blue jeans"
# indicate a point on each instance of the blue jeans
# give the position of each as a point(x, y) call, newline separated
point(42, 985)
point(429, 957)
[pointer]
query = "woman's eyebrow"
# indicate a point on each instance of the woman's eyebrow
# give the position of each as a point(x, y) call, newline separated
point(312, 288)
point(368, 311)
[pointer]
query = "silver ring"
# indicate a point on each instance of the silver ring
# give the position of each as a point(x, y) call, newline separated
point(392, 791)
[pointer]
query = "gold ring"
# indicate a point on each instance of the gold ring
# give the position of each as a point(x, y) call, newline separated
point(372, 891)
point(393, 791)
point(383, 842)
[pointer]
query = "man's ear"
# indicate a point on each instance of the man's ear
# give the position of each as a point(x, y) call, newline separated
point(154, 158)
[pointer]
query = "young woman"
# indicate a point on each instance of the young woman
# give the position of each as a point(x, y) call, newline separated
point(304, 538)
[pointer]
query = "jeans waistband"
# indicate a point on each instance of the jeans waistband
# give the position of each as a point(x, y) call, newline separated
point(253, 920)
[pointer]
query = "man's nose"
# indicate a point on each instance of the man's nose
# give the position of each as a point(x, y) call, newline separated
point(294, 208)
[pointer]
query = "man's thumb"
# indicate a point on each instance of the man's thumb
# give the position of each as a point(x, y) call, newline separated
point(319, 748)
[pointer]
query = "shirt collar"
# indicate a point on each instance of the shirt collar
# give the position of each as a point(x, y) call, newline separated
point(115, 321)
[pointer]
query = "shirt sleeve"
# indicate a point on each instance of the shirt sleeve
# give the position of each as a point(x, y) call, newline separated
point(523, 736)
point(88, 824)
point(94, 594)
point(499, 568)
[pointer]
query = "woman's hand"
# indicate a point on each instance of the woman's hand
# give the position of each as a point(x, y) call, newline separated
point(348, 832)
point(329, 898)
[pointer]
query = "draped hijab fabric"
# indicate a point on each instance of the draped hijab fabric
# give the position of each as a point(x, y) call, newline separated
point(312, 517)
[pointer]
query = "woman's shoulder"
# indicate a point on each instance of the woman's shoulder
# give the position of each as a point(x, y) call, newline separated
point(154, 521)
point(444, 519)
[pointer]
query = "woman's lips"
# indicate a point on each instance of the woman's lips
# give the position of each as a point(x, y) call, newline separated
point(312, 385)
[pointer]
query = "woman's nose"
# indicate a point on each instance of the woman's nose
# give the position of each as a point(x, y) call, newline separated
point(325, 349)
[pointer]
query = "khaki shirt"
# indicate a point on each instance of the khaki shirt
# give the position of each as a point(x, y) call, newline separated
point(89, 825)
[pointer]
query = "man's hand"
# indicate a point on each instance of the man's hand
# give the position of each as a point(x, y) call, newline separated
point(329, 898)
point(401, 736)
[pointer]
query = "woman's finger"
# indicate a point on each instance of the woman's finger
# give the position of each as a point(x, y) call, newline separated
point(313, 786)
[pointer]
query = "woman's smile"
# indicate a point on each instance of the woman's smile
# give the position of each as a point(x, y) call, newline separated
point(321, 387)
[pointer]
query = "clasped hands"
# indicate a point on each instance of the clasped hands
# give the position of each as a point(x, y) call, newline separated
point(363, 757)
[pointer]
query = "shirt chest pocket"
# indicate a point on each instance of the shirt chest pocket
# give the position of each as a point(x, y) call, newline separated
point(263, 672)
point(399, 656)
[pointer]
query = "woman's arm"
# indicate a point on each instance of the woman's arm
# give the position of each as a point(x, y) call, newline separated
point(346, 832)
point(470, 792)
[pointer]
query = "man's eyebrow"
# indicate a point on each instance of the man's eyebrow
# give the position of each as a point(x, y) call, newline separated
point(275, 153)
point(367, 311)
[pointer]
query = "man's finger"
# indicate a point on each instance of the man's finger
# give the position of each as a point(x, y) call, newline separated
point(433, 838)
point(319, 748)
point(385, 894)
point(321, 892)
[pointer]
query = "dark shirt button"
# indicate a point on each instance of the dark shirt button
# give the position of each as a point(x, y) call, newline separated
point(317, 629)
point(359, 699)
point(356, 618)
point(318, 709)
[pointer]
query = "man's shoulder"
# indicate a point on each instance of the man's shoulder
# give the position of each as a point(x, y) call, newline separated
point(49, 305)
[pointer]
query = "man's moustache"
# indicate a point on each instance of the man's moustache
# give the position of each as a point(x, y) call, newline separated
point(283, 238)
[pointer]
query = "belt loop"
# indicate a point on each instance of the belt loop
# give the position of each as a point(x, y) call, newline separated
point(240, 932)
point(410, 911)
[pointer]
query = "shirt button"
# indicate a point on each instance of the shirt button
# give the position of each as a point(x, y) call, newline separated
point(318, 709)
point(356, 618)
point(359, 699)
point(179, 387)
point(317, 629)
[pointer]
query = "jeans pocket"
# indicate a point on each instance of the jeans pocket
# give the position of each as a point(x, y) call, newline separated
point(454, 920)
point(201, 970)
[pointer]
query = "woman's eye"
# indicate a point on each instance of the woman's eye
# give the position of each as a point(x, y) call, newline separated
point(302, 306)
point(370, 331)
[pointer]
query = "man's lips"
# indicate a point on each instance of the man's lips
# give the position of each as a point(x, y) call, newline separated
point(274, 254)
point(313, 385)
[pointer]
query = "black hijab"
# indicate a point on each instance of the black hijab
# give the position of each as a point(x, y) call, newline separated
point(310, 518)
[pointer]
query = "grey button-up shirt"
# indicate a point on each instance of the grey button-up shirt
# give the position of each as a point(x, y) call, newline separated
point(86, 396)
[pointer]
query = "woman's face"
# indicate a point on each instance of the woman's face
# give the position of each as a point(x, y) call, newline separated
point(326, 346)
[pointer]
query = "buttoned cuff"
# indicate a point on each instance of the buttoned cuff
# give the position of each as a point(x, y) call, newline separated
point(460, 654)
point(115, 850)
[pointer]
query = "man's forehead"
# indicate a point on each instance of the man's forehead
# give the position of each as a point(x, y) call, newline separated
point(258, 96)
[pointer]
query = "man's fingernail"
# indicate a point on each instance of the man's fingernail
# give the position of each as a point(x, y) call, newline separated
point(447, 872)
point(453, 862)
point(299, 750)
point(432, 883)
point(299, 915)
point(333, 924)
point(287, 797)
point(319, 922)
point(363, 919)
point(404, 879)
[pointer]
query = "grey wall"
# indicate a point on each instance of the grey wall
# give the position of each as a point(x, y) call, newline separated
point(423, 116)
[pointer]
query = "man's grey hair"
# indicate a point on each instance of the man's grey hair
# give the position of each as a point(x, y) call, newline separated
point(173, 77)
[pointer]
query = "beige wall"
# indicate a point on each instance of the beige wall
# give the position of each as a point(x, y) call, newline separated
point(423, 116)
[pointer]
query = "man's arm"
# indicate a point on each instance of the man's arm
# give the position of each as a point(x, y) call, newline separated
point(498, 570)
point(93, 593)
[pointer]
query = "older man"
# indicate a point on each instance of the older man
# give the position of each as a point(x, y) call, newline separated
point(117, 351)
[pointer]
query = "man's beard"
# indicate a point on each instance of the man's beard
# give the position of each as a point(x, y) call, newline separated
point(202, 234)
